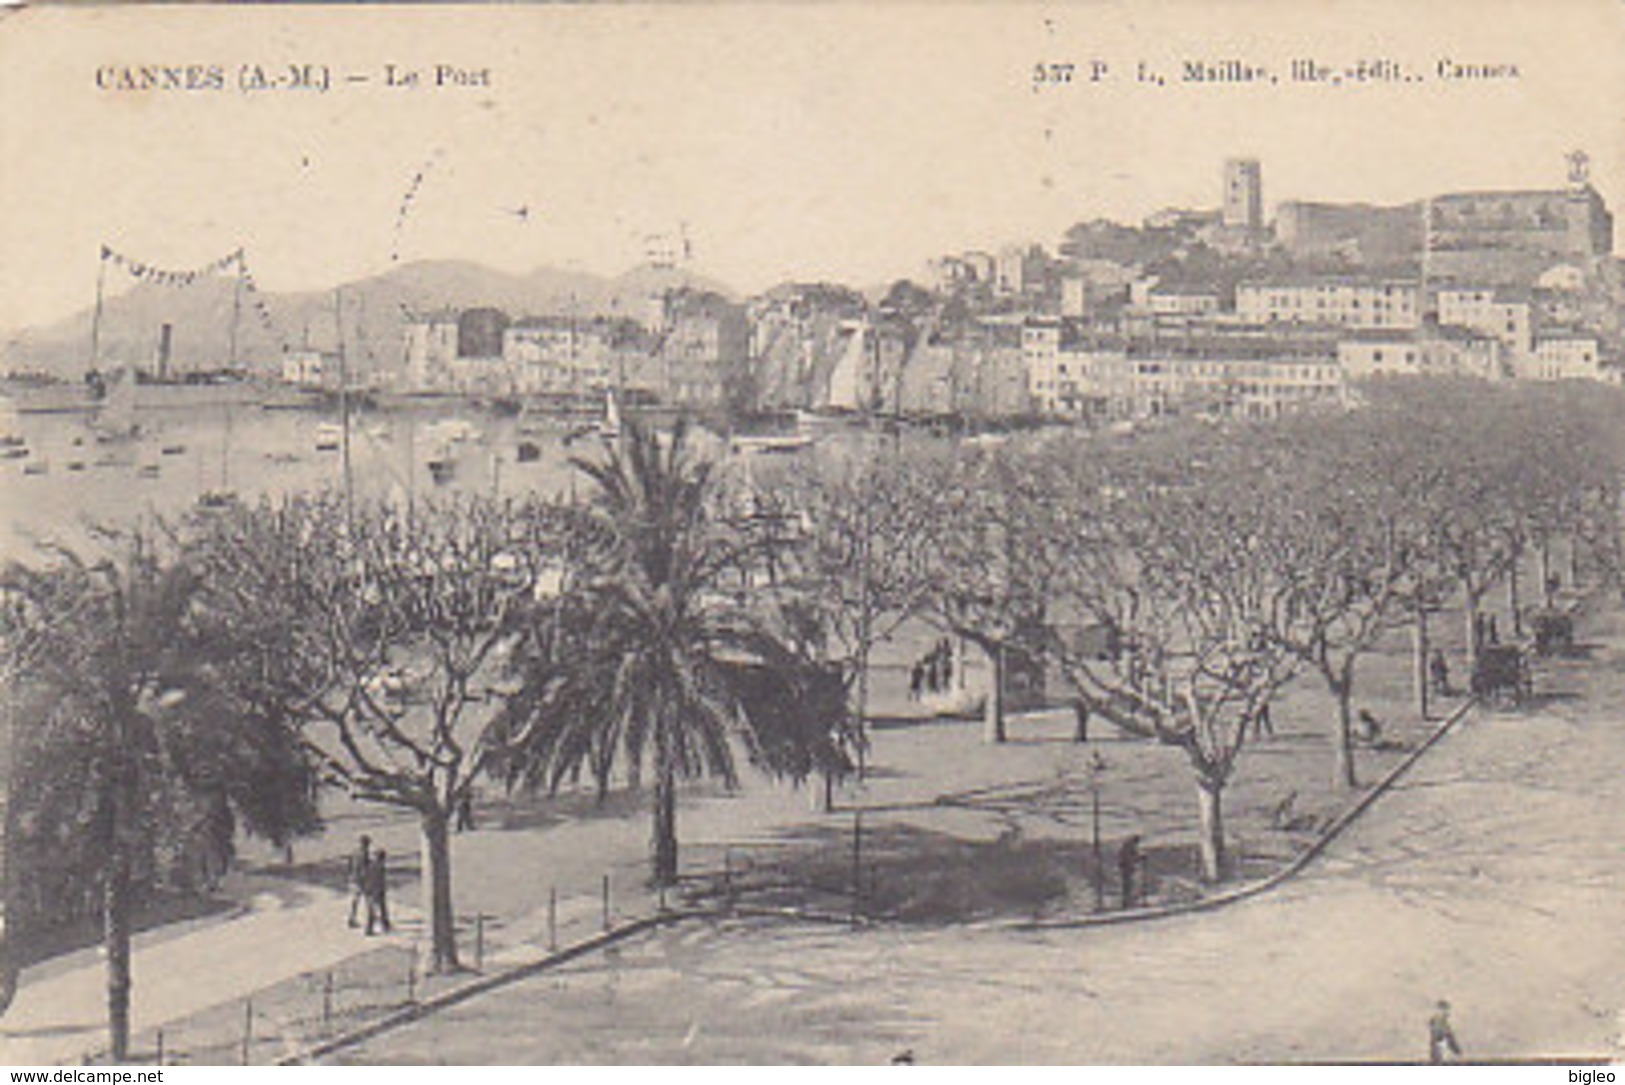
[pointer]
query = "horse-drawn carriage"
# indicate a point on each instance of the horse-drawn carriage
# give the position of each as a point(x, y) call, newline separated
point(1501, 675)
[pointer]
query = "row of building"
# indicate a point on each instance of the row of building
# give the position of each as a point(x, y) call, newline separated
point(692, 352)
point(1287, 344)
point(819, 347)
point(1500, 285)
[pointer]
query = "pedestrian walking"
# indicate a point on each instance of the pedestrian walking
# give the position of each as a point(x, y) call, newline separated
point(1368, 729)
point(1080, 713)
point(465, 813)
point(1263, 723)
point(916, 681)
point(1128, 863)
point(378, 893)
point(1285, 811)
point(946, 651)
point(360, 861)
point(1440, 671)
point(1442, 1045)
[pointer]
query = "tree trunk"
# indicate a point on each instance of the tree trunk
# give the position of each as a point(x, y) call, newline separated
point(1344, 775)
point(1546, 570)
point(1419, 662)
point(1470, 617)
point(1215, 861)
point(116, 937)
point(993, 710)
point(1574, 561)
point(1513, 607)
point(10, 913)
point(8, 973)
point(437, 903)
point(664, 844)
point(861, 721)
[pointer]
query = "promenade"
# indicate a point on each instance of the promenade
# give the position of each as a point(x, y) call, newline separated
point(968, 840)
point(1489, 876)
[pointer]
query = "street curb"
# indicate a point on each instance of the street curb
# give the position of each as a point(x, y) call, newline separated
point(419, 1010)
point(479, 986)
point(1253, 889)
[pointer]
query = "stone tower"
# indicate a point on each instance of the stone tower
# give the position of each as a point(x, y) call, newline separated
point(1243, 194)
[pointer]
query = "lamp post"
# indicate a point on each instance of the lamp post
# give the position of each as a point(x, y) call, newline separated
point(1097, 768)
point(1427, 602)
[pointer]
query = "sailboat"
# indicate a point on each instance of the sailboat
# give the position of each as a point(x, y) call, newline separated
point(442, 467)
point(9, 437)
point(225, 496)
point(12, 444)
point(772, 443)
point(116, 419)
point(610, 427)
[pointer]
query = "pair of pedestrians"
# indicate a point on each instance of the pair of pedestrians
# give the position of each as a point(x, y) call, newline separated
point(369, 880)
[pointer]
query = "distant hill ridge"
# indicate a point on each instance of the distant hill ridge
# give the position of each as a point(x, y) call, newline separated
point(372, 311)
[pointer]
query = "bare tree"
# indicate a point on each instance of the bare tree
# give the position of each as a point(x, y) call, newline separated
point(386, 633)
point(995, 541)
point(861, 560)
point(1165, 554)
point(1345, 525)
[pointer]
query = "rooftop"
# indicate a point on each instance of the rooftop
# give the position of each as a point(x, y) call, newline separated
point(1282, 281)
point(1515, 194)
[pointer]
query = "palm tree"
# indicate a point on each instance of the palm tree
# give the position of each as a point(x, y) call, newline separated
point(649, 660)
point(124, 747)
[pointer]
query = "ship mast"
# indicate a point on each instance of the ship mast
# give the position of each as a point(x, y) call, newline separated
point(96, 317)
point(344, 406)
point(231, 367)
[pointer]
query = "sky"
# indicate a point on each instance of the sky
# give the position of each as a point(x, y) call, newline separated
point(805, 140)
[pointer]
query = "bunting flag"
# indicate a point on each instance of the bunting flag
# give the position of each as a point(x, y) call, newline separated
point(163, 277)
point(405, 209)
point(256, 300)
point(236, 259)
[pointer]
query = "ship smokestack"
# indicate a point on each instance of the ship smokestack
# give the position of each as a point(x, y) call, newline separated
point(165, 333)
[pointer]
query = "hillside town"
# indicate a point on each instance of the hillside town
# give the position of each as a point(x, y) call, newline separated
point(490, 593)
point(842, 534)
point(1193, 311)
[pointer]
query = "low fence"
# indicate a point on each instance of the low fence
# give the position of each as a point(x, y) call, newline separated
point(854, 867)
point(311, 1011)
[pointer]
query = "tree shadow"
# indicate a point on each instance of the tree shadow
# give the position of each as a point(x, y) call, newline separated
point(33, 944)
point(47, 1031)
point(908, 874)
point(1579, 651)
point(1543, 699)
point(522, 811)
point(900, 722)
point(882, 772)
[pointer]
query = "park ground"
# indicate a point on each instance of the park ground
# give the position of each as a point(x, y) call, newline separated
point(1490, 875)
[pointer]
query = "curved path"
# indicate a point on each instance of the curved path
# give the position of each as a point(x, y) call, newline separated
point(60, 1011)
point(1493, 875)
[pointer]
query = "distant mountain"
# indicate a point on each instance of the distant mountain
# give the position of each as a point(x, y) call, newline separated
point(372, 312)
